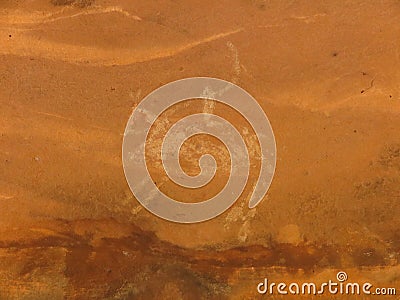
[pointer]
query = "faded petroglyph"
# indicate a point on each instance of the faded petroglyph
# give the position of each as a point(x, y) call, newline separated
point(209, 107)
point(94, 11)
point(38, 18)
point(237, 216)
point(309, 19)
point(147, 117)
point(53, 115)
point(32, 46)
point(236, 68)
point(305, 19)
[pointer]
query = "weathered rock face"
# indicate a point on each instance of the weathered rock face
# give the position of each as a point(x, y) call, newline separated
point(71, 73)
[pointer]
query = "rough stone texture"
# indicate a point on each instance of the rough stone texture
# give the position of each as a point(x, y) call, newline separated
point(327, 74)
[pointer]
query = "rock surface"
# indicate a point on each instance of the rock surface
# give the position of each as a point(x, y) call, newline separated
point(71, 72)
